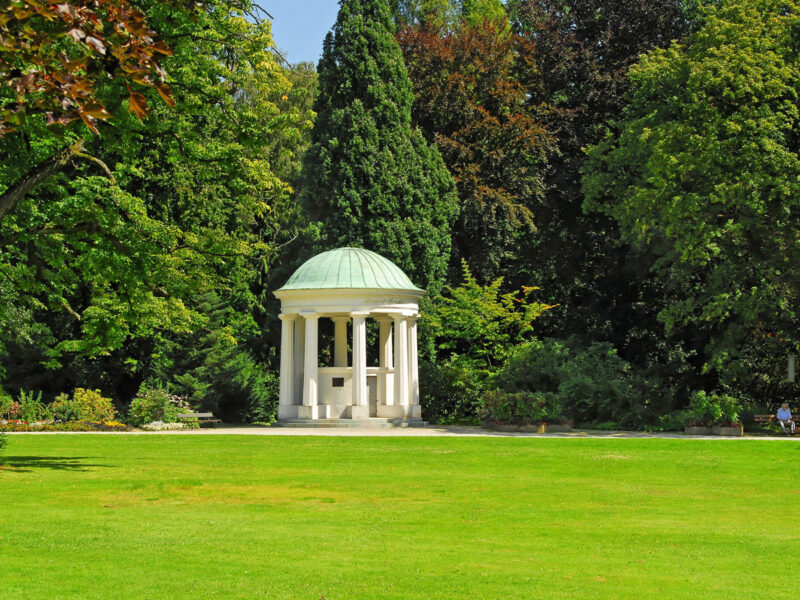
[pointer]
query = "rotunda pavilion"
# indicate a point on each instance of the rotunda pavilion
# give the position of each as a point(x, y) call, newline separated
point(349, 286)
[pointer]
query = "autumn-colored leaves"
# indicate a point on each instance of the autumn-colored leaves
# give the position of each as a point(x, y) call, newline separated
point(54, 55)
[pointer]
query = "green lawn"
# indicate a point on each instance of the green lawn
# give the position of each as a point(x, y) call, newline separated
point(146, 517)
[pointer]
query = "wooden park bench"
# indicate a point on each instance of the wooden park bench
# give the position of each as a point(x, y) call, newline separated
point(199, 418)
point(771, 418)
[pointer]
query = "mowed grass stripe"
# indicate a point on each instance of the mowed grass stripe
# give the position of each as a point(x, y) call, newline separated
point(342, 518)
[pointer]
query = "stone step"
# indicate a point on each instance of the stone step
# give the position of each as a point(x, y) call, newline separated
point(350, 423)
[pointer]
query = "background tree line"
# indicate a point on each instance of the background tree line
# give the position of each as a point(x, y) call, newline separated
point(634, 161)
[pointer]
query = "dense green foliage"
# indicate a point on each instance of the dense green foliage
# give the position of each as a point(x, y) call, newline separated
point(573, 66)
point(153, 404)
point(83, 405)
point(156, 235)
point(80, 406)
point(519, 408)
point(703, 171)
point(475, 328)
point(637, 160)
point(712, 409)
point(124, 516)
point(592, 384)
point(369, 178)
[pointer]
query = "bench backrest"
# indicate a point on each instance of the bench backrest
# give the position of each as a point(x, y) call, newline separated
point(196, 416)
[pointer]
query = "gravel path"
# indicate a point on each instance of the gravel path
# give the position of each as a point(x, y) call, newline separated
point(430, 431)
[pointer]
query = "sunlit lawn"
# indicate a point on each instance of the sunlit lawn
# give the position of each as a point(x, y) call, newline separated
point(145, 517)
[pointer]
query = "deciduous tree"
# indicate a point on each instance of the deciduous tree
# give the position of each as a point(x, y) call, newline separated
point(168, 208)
point(703, 171)
point(468, 103)
point(575, 72)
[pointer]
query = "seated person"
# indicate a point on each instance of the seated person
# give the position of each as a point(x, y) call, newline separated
point(784, 417)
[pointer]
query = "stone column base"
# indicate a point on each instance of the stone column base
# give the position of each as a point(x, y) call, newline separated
point(356, 412)
point(399, 412)
point(311, 412)
point(287, 412)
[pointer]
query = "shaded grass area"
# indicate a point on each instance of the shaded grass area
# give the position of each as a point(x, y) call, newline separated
point(342, 518)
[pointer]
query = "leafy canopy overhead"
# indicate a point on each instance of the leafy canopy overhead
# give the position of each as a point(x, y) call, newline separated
point(704, 170)
point(119, 244)
point(53, 57)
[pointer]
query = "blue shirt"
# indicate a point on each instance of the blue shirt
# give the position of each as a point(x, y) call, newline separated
point(784, 414)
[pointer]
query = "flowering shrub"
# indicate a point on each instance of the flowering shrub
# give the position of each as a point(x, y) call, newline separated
point(64, 409)
point(9, 409)
point(92, 406)
point(153, 404)
point(84, 405)
point(519, 408)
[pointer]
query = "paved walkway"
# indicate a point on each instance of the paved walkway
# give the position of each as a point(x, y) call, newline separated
point(431, 431)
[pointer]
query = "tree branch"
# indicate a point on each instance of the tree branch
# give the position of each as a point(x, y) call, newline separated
point(43, 171)
point(97, 161)
point(40, 173)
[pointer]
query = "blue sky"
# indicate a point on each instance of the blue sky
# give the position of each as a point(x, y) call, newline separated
point(299, 26)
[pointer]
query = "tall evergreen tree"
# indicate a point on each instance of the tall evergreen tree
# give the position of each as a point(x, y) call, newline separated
point(369, 178)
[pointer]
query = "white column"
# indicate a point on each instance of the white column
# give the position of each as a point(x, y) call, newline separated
point(299, 360)
point(311, 361)
point(413, 364)
point(287, 367)
point(386, 361)
point(340, 341)
point(400, 360)
point(359, 364)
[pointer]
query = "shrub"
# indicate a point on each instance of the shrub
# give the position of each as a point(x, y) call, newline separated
point(712, 409)
point(519, 408)
point(233, 385)
point(83, 405)
point(153, 404)
point(8, 408)
point(474, 328)
point(262, 400)
point(64, 409)
point(91, 405)
point(592, 384)
point(451, 392)
point(481, 323)
point(538, 366)
point(671, 421)
point(30, 407)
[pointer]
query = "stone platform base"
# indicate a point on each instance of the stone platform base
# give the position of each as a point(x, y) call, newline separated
point(337, 412)
point(350, 423)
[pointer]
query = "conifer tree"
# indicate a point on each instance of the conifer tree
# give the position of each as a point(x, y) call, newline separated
point(369, 178)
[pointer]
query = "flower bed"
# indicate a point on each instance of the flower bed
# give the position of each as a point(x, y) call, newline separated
point(19, 425)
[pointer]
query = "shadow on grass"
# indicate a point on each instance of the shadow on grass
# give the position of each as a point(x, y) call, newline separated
point(26, 464)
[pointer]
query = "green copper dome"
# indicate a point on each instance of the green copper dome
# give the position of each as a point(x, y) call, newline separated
point(348, 268)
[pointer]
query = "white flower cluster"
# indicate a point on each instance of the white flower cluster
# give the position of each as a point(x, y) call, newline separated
point(161, 426)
